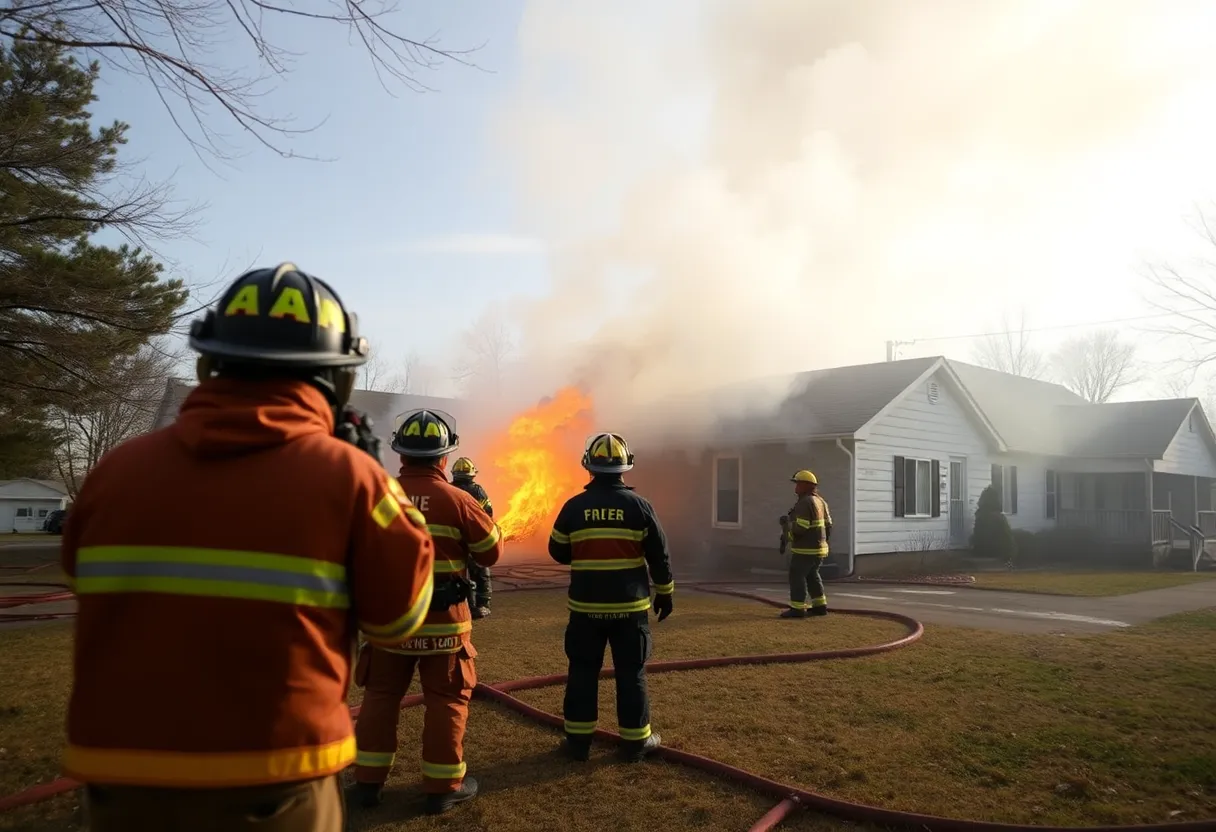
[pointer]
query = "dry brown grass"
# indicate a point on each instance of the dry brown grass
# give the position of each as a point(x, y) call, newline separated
point(1092, 584)
point(1039, 729)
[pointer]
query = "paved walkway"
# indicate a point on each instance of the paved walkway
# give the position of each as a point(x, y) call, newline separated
point(1017, 612)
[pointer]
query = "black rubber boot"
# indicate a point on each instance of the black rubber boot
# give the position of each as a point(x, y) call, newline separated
point(635, 752)
point(479, 612)
point(792, 613)
point(819, 611)
point(576, 750)
point(437, 804)
point(365, 795)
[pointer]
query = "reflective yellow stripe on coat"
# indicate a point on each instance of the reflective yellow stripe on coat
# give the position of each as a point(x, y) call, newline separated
point(216, 573)
point(207, 771)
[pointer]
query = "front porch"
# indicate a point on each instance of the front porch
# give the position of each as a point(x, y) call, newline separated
point(1164, 512)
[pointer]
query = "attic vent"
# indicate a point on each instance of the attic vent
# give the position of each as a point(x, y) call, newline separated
point(933, 394)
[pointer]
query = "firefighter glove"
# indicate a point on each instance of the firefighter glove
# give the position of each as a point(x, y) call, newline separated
point(662, 606)
point(356, 428)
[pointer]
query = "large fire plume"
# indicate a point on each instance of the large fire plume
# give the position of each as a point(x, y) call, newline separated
point(537, 462)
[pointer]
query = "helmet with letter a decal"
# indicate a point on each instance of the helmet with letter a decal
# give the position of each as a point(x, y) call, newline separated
point(425, 433)
point(280, 317)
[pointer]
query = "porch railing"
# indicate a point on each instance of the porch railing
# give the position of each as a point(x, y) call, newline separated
point(1207, 523)
point(1162, 532)
point(1118, 524)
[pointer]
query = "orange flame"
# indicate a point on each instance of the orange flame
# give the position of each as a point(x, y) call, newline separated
point(538, 461)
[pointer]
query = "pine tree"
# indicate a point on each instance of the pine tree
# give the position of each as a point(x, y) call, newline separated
point(69, 307)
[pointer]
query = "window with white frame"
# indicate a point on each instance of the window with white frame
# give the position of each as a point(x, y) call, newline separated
point(917, 487)
point(1005, 481)
point(43, 512)
point(25, 512)
point(728, 492)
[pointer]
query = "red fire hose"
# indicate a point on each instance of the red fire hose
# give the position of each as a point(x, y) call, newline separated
point(790, 798)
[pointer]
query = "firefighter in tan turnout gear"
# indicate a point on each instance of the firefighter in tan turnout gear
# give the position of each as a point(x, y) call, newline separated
point(808, 527)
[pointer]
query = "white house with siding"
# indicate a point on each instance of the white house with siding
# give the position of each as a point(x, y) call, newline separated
point(903, 449)
point(25, 503)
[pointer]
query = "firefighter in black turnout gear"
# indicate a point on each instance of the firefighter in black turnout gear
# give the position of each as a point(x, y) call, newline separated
point(615, 546)
point(463, 474)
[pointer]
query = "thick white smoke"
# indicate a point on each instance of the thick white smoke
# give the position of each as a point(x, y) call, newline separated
point(744, 188)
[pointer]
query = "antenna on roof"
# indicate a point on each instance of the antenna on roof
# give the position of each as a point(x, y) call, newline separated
point(893, 349)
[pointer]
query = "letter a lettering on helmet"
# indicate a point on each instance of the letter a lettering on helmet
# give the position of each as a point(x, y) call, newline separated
point(330, 315)
point(244, 302)
point(290, 304)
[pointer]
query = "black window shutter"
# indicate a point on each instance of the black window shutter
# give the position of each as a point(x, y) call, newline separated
point(899, 486)
point(1013, 489)
point(1051, 487)
point(936, 486)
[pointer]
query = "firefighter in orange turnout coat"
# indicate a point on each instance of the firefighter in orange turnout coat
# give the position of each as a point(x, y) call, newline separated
point(442, 651)
point(221, 565)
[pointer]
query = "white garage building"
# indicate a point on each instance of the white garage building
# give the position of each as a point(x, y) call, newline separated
point(25, 503)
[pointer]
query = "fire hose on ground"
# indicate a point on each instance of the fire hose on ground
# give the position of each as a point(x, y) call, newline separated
point(790, 798)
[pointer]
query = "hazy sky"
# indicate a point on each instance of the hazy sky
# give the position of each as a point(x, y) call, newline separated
point(721, 189)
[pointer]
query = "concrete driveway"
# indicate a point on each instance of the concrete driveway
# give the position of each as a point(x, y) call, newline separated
point(1017, 612)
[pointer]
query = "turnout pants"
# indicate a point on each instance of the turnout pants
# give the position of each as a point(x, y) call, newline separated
point(628, 636)
point(447, 682)
point(806, 583)
point(481, 578)
point(307, 806)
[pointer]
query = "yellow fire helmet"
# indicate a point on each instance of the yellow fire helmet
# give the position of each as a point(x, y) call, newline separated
point(804, 476)
point(464, 467)
point(607, 453)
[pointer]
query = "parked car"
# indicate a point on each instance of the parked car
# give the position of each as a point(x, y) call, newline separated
point(54, 521)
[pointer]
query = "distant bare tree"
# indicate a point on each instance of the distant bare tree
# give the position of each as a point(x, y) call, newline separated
point(126, 408)
point(1097, 365)
point(412, 376)
point(1010, 351)
point(1175, 382)
point(1186, 294)
point(172, 45)
point(489, 346)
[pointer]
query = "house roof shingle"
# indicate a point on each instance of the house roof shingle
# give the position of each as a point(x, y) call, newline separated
point(1030, 415)
point(1122, 429)
point(1023, 410)
point(54, 485)
point(836, 401)
point(381, 407)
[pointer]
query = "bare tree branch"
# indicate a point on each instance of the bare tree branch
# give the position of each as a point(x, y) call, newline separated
point(1011, 351)
point(1175, 382)
point(1186, 295)
point(374, 371)
point(126, 408)
point(489, 347)
point(1097, 365)
point(170, 44)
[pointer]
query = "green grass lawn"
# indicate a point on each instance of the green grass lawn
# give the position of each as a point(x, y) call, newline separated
point(1087, 583)
point(1109, 729)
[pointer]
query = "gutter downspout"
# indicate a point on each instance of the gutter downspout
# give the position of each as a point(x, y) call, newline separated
point(852, 507)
